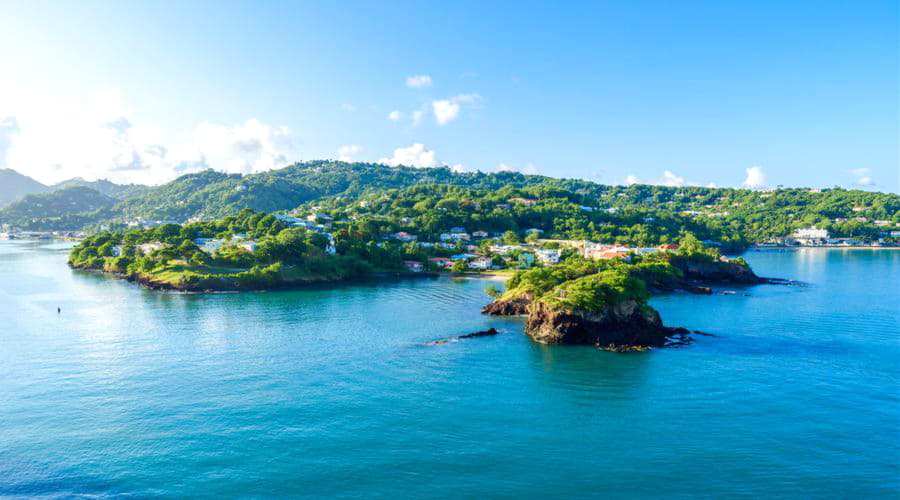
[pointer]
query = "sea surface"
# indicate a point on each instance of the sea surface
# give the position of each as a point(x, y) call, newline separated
point(334, 392)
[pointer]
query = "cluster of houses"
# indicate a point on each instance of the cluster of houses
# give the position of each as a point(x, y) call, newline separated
point(819, 237)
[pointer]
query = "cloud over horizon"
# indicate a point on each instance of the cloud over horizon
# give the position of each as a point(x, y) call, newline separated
point(102, 138)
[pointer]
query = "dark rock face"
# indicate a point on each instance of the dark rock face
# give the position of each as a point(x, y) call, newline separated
point(511, 307)
point(614, 327)
point(716, 271)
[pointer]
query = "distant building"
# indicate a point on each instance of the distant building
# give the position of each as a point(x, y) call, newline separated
point(548, 257)
point(146, 248)
point(413, 266)
point(534, 230)
point(526, 259)
point(523, 201)
point(480, 263)
point(811, 233)
point(480, 234)
point(249, 246)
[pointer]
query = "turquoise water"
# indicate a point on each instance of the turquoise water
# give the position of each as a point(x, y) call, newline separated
point(331, 392)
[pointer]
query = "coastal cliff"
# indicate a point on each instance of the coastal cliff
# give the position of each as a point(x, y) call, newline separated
point(605, 304)
point(721, 270)
point(625, 324)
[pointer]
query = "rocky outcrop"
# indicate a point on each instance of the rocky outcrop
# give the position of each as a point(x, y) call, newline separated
point(619, 327)
point(510, 306)
point(482, 333)
point(717, 271)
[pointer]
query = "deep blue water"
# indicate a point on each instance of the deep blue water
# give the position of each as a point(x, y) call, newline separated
point(332, 392)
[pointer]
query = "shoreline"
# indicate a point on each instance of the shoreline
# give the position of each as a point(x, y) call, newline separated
point(824, 247)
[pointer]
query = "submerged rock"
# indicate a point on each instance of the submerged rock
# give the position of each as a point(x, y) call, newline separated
point(483, 333)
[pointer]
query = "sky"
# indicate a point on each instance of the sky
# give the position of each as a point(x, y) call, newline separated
point(753, 94)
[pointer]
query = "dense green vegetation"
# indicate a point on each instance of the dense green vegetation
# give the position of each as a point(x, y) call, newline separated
point(577, 284)
point(380, 198)
point(72, 207)
point(111, 189)
point(282, 255)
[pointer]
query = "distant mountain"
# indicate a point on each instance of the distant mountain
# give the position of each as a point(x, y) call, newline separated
point(64, 209)
point(14, 185)
point(119, 191)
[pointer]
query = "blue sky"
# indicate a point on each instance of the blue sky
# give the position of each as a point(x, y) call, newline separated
point(803, 94)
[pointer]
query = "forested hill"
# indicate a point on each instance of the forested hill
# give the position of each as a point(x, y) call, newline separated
point(622, 213)
point(212, 194)
point(111, 189)
point(14, 185)
point(64, 209)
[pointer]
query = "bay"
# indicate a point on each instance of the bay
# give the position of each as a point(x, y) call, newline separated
point(334, 391)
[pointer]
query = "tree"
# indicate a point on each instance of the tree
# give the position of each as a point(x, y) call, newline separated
point(510, 238)
point(492, 292)
point(459, 266)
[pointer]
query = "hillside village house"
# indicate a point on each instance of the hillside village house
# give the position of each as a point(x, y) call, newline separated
point(523, 201)
point(414, 266)
point(481, 263)
point(548, 256)
point(480, 234)
point(149, 247)
point(441, 262)
point(404, 236)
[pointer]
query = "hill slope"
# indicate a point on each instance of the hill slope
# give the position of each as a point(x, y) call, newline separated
point(118, 191)
point(14, 185)
point(65, 209)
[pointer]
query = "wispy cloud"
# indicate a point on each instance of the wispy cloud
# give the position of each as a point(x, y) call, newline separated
point(862, 177)
point(345, 153)
point(418, 81)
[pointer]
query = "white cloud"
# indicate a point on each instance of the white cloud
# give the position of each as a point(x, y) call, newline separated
point(756, 178)
point(348, 107)
point(528, 169)
point(414, 156)
point(447, 110)
point(672, 180)
point(345, 153)
point(53, 139)
point(668, 178)
point(395, 116)
point(418, 81)
point(862, 177)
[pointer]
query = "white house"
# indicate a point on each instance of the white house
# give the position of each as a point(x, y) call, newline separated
point(548, 256)
point(149, 247)
point(480, 263)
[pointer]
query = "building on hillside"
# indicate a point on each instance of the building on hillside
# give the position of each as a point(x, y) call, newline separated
point(548, 257)
point(457, 230)
point(150, 247)
point(209, 245)
point(526, 259)
point(523, 201)
point(249, 245)
point(668, 247)
point(479, 234)
point(413, 266)
point(480, 263)
point(441, 262)
point(404, 236)
point(534, 230)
